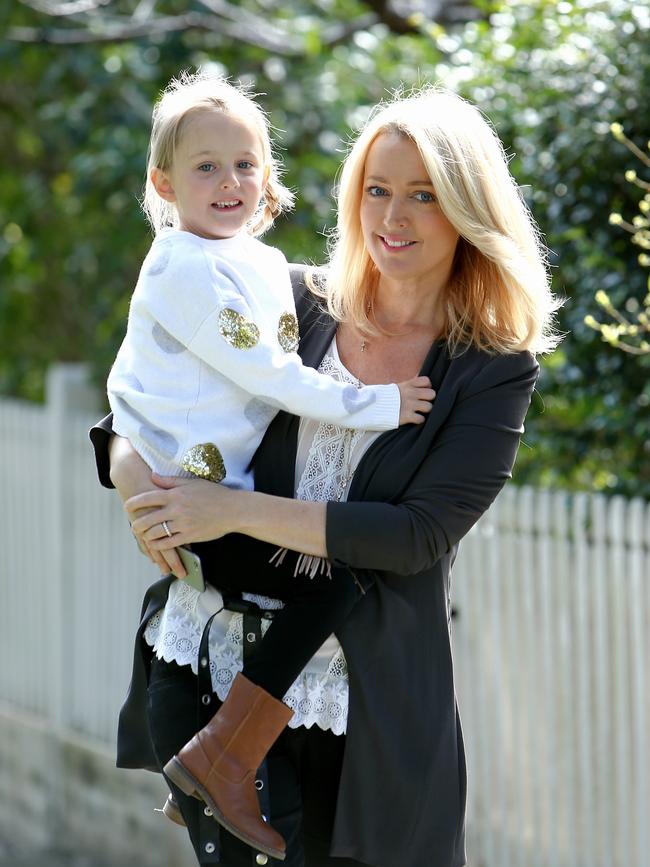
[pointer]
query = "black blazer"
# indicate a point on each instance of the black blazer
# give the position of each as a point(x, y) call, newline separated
point(415, 494)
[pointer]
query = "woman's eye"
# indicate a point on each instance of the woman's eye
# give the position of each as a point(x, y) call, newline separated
point(425, 196)
point(376, 192)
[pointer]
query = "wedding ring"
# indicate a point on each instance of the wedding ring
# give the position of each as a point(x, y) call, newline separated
point(166, 528)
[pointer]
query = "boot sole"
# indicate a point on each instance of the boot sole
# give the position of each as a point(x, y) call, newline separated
point(172, 812)
point(178, 774)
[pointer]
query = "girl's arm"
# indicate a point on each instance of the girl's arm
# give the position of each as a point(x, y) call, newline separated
point(131, 476)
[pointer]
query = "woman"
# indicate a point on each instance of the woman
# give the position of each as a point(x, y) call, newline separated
point(436, 269)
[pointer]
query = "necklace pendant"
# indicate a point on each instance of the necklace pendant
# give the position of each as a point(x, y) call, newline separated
point(363, 345)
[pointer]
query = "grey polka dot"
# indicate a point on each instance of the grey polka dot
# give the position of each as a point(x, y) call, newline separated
point(159, 262)
point(273, 401)
point(133, 382)
point(165, 340)
point(355, 400)
point(161, 440)
point(164, 443)
point(259, 413)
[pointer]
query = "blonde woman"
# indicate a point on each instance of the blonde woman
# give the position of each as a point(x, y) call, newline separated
point(436, 269)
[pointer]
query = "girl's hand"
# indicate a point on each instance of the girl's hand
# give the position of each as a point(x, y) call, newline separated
point(194, 510)
point(416, 396)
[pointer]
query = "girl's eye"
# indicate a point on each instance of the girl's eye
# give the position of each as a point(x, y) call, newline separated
point(206, 167)
point(244, 164)
point(376, 192)
point(425, 196)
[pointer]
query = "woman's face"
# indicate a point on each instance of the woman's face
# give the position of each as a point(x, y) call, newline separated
point(408, 237)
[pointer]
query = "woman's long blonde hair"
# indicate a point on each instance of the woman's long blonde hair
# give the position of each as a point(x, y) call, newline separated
point(498, 297)
point(207, 91)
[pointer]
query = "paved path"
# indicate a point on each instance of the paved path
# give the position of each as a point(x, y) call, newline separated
point(12, 857)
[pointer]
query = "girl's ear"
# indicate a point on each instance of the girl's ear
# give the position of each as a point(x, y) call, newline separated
point(267, 172)
point(162, 185)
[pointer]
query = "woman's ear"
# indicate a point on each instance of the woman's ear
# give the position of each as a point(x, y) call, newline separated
point(162, 185)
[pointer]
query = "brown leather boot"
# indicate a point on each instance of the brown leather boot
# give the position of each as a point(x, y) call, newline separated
point(220, 762)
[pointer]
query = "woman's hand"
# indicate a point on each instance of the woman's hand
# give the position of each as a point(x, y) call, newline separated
point(194, 510)
point(197, 511)
point(131, 475)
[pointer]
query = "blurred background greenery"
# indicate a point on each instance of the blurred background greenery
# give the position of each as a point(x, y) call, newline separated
point(77, 81)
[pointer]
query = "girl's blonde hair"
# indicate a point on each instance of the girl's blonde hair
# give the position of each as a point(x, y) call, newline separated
point(201, 91)
point(498, 297)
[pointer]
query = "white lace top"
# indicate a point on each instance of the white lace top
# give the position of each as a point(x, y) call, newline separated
point(325, 461)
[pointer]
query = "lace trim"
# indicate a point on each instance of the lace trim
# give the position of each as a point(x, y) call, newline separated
point(316, 699)
point(328, 470)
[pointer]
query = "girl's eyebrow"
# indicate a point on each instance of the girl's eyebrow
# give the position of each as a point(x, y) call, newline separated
point(381, 180)
point(210, 153)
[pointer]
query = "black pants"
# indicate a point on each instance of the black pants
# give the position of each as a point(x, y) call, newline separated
point(304, 768)
point(314, 609)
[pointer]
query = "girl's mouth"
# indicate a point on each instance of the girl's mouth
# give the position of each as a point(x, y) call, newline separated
point(227, 205)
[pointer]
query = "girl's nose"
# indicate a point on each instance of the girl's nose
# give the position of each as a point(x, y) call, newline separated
point(228, 180)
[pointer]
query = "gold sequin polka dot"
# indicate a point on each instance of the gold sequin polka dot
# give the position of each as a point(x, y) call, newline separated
point(237, 330)
point(204, 460)
point(288, 336)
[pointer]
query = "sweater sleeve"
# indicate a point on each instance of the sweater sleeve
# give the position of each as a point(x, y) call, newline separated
point(470, 460)
point(218, 324)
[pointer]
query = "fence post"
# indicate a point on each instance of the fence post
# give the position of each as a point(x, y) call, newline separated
point(68, 393)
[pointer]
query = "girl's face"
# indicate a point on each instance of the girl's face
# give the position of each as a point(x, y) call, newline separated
point(218, 175)
point(407, 236)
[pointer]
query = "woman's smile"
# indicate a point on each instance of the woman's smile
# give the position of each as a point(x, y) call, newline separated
point(395, 244)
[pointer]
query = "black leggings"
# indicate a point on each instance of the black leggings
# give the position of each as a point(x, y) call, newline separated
point(304, 768)
point(314, 609)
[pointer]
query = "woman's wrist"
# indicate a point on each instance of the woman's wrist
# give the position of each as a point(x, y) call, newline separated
point(245, 511)
point(289, 523)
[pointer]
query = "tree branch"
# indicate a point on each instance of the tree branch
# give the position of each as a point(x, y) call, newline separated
point(72, 7)
point(221, 17)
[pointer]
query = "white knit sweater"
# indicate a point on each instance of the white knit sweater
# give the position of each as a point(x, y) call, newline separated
point(210, 356)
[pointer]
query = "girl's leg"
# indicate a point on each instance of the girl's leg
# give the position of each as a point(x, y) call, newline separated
point(172, 717)
point(314, 609)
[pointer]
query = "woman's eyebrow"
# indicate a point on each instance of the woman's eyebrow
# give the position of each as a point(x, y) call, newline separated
point(426, 183)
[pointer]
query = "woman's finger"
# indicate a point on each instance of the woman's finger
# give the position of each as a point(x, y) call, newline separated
point(150, 526)
point(168, 482)
point(161, 529)
point(174, 562)
point(147, 500)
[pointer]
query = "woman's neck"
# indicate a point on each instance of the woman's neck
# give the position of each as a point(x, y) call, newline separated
point(397, 309)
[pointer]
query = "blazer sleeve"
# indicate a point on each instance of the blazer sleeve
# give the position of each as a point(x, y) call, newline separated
point(468, 463)
point(100, 435)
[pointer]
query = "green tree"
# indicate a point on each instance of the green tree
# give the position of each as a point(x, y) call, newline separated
point(551, 75)
point(629, 331)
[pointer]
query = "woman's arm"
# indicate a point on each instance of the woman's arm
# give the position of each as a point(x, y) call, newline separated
point(470, 461)
point(198, 511)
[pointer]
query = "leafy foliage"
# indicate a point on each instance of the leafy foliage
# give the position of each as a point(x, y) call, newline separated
point(629, 331)
point(551, 75)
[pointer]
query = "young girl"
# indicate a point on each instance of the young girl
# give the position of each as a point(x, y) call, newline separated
point(208, 358)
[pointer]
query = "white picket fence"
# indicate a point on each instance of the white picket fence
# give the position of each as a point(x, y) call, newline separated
point(551, 638)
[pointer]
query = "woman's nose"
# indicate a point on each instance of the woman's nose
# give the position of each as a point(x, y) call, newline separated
point(395, 215)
